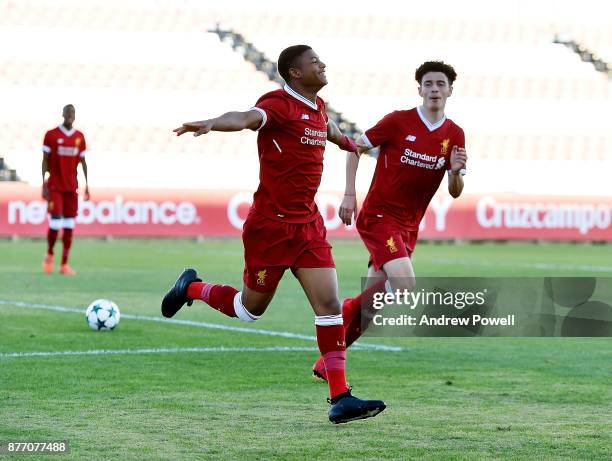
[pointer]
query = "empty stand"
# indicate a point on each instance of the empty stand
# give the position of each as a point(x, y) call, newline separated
point(533, 113)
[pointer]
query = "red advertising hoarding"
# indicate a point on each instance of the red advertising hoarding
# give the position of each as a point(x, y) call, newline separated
point(168, 213)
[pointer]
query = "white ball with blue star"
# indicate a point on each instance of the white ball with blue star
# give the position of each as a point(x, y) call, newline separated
point(102, 315)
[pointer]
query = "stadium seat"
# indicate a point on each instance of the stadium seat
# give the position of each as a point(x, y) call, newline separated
point(520, 97)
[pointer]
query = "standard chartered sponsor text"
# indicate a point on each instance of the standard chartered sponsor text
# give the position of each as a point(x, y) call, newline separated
point(306, 139)
point(413, 158)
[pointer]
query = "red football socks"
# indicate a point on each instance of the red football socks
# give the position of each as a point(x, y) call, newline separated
point(351, 312)
point(51, 238)
point(67, 242)
point(220, 297)
point(330, 339)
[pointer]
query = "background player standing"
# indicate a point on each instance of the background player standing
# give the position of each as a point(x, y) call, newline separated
point(416, 147)
point(63, 149)
point(284, 229)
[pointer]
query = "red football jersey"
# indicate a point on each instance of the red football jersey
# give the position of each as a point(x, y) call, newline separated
point(64, 148)
point(414, 155)
point(290, 142)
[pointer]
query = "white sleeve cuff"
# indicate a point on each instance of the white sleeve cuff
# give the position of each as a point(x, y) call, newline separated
point(366, 141)
point(263, 114)
point(46, 149)
point(83, 153)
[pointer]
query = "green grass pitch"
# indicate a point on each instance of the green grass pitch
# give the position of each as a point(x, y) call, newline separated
point(478, 398)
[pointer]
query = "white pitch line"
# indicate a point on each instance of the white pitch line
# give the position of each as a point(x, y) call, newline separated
point(162, 350)
point(194, 323)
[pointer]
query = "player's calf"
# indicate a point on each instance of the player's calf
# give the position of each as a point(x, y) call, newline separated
point(318, 370)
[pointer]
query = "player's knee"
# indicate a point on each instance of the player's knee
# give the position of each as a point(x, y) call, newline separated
point(401, 283)
point(68, 223)
point(55, 222)
point(329, 306)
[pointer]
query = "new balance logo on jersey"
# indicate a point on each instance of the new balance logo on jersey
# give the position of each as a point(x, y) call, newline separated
point(305, 117)
point(411, 138)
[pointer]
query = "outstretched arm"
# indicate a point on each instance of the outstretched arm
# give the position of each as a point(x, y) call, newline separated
point(230, 121)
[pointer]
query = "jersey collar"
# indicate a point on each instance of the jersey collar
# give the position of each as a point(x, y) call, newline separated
point(66, 132)
point(299, 97)
point(430, 126)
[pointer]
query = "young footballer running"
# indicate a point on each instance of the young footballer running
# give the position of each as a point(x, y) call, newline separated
point(417, 148)
point(284, 229)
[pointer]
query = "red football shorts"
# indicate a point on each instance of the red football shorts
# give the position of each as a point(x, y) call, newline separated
point(272, 247)
point(385, 239)
point(63, 203)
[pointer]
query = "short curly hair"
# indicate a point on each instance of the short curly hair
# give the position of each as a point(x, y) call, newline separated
point(436, 66)
point(288, 57)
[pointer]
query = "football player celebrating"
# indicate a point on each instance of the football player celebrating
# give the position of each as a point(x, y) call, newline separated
point(417, 147)
point(63, 149)
point(284, 229)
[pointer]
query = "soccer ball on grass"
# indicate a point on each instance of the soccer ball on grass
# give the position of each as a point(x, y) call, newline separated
point(102, 315)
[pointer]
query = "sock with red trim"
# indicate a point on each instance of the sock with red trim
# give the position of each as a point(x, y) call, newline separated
point(351, 312)
point(330, 338)
point(224, 298)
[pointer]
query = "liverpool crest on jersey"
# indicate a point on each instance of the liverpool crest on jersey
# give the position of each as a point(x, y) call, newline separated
point(444, 144)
